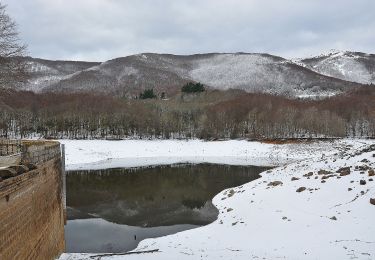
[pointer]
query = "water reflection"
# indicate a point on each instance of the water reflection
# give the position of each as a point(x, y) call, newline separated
point(112, 210)
point(100, 236)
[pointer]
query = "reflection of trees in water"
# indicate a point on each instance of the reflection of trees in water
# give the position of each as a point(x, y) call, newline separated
point(193, 204)
point(162, 195)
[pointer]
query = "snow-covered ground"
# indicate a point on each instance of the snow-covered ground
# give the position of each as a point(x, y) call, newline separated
point(332, 218)
point(99, 154)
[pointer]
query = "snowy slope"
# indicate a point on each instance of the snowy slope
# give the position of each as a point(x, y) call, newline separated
point(84, 154)
point(164, 72)
point(351, 66)
point(44, 73)
point(331, 219)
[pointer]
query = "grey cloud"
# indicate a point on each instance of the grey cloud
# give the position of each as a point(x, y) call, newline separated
point(104, 29)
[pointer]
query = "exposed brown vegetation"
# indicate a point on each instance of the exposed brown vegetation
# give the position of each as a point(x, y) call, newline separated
point(209, 115)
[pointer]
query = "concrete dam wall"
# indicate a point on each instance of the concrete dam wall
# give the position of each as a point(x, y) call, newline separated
point(32, 213)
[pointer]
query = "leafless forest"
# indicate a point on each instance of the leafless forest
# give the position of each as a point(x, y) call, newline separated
point(208, 115)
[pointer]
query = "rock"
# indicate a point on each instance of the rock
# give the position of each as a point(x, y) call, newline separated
point(365, 161)
point(231, 193)
point(372, 201)
point(370, 179)
point(371, 172)
point(362, 182)
point(229, 210)
point(308, 174)
point(333, 218)
point(323, 181)
point(323, 172)
point(350, 189)
point(300, 189)
point(344, 169)
point(20, 169)
point(284, 218)
point(328, 176)
point(363, 167)
point(7, 173)
point(31, 166)
point(369, 149)
point(275, 183)
point(295, 179)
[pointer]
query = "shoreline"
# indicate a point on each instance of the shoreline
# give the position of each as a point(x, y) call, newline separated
point(260, 220)
point(85, 154)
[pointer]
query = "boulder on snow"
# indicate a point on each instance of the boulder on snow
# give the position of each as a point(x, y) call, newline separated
point(295, 179)
point(371, 172)
point(344, 171)
point(362, 167)
point(308, 174)
point(275, 183)
point(372, 201)
point(362, 182)
point(323, 172)
point(300, 189)
point(328, 176)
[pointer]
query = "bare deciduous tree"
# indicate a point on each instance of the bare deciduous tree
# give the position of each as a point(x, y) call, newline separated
point(12, 66)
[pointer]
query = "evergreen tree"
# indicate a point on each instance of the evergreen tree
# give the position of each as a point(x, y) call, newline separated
point(193, 87)
point(147, 93)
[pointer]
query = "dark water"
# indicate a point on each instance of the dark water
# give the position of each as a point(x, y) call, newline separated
point(112, 210)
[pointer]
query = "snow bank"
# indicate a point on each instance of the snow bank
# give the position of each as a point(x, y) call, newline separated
point(331, 219)
point(99, 154)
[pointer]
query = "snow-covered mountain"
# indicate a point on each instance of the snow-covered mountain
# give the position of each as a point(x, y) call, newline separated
point(128, 76)
point(351, 66)
point(44, 73)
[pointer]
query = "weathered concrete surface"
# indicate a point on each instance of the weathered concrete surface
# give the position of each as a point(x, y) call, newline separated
point(31, 210)
point(10, 160)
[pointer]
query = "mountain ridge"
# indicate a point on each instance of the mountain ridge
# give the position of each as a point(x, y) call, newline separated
point(129, 75)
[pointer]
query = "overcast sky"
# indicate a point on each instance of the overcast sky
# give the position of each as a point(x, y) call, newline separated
point(99, 30)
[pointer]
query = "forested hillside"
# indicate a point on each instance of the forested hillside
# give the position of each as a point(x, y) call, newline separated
point(127, 76)
point(209, 115)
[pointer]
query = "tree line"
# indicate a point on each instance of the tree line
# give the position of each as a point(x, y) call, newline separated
point(208, 115)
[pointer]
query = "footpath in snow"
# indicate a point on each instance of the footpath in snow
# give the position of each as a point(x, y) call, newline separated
point(317, 205)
